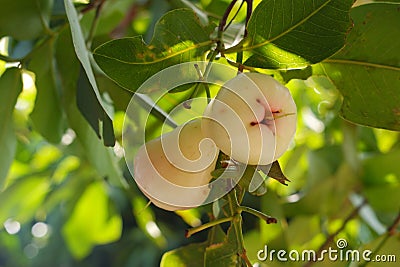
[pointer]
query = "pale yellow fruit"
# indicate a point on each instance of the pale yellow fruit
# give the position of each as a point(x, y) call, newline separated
point(173, 171)
point(252, 119)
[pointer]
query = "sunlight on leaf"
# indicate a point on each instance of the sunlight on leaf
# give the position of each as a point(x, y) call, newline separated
point(90, 217)
point(374, 73)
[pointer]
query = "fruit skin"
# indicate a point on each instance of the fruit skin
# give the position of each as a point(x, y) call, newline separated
point(162, 173)
point(252, 119)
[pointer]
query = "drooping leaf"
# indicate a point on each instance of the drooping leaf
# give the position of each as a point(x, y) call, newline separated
point(100, 157)
point(24, 20)
point(367, 70)
point(10, 88)
point(47, 115)
point(102, 115)
point(91, 109)
point(274, 171)
point(92, 222)
point(178, 37)
point(293, 34)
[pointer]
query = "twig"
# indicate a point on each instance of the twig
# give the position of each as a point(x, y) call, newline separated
point(191, 231)
point(395, 224)
point(391, 231)
point(330, 238)
point(119, 31)
point(95, 22)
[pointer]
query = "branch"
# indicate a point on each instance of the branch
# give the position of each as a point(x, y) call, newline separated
point(391, 231)
point(330, 238)
point(95, 22)
point(120, 30)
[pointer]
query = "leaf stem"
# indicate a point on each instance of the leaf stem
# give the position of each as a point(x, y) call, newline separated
point(191, 231)
point(259, 214)
point(213, 55)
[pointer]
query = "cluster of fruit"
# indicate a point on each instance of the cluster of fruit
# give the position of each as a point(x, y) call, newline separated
point(252, 120)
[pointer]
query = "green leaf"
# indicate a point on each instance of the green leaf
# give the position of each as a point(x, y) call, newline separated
point(381, 169)
point(10, 88)
point(178, 37)
point(24, 20)
point(188, 256)
point(372, 92)
point(22, 199)
point(92, 222)
point(193, 254)
point(47, 115)
point(223, 253)
point(293, 34)
point(144, 217)
point(384, 198)
point(100, 157)
point(91, 109)
point(84, 57)
point(274, 171)
point(331, 194)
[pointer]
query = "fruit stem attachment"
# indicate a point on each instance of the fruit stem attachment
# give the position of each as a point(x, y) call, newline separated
point(191, 231)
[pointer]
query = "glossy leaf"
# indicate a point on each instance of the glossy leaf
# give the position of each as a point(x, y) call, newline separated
point(92, 110)
point(367, 70)
point(47, 115)
point(293, 34)
point(10, 88)
point(24, 20)
point(98, 112)
point(178, 37)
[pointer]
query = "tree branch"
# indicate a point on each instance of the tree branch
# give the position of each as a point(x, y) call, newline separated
point(330, 238)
